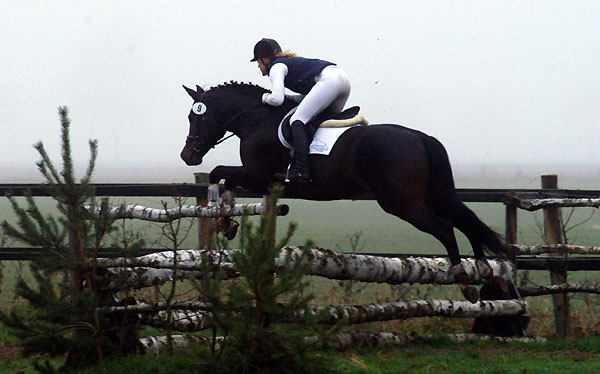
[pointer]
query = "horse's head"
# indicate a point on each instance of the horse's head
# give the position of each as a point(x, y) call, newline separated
point(215, 112)
point(203, 133)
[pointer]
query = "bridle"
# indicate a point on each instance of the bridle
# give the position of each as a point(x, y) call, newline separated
point(198, 142)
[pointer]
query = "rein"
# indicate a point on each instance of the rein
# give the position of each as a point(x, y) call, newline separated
point(196, 139)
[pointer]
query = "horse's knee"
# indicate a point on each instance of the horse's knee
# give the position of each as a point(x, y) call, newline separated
point(460, 274)
point(462, 278)
point(215, 176)
point(484, 269)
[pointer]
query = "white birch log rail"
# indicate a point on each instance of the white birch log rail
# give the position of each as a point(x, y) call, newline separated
point(180, 320)
point(355, 314)
point(161, 306)
point(157, 268)
point(157, 345)
point(556, 248)
point(189, 211)
point(536, 204)
point(189, 321)
point(353, 339)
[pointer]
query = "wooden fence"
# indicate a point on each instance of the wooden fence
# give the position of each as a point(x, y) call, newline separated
point(549, 198)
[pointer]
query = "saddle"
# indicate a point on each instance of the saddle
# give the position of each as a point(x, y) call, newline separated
point(347, 118)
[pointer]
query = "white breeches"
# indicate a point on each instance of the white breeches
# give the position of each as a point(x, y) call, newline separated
point(330, 92)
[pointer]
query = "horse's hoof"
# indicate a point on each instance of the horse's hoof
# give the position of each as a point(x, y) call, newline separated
point(500, 283)
point(469, 292)
point(231, 231)
point(484, 269)
point(459, 274)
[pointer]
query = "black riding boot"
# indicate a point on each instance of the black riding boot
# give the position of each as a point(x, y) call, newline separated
point(299, 170)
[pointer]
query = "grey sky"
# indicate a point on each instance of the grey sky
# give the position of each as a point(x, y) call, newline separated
point(497, 82)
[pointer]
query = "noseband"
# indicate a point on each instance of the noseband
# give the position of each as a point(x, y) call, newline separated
point(199, 142)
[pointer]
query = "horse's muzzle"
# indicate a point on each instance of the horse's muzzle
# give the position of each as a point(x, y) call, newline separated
point(190, 157)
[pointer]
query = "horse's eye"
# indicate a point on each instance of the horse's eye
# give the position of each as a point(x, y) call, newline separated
point(199, 108)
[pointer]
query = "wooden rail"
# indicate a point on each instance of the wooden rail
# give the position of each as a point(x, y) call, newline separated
point(468, 195)
point(530, 199)
point(523, 262)
point(479, 195)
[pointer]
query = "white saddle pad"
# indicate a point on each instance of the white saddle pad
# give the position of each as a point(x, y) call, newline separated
point(323, 140)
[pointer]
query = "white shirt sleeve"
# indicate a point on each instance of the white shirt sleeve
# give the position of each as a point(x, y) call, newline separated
point(277, 76)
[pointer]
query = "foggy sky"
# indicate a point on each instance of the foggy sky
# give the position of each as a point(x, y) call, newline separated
point(497, 82)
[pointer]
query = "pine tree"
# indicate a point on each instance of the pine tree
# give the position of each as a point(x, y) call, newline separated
point(61, 314)
point(247, 312)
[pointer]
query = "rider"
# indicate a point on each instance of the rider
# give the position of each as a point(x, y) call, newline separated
point(319, 85)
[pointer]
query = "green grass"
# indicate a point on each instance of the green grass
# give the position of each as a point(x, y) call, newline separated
point(561, 356)
point(480, 359)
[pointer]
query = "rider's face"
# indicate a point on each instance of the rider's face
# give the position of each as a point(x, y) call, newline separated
point(262, 65)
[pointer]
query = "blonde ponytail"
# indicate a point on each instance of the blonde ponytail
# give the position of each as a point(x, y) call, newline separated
point(288, 54)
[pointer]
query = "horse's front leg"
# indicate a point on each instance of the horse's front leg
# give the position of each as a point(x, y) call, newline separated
point(233, 175)
point(253, 178)
point(485, 269)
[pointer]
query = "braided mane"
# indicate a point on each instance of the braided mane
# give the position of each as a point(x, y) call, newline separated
point(237, 86)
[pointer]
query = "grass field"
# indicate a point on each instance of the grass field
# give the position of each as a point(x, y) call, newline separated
point(563, 356)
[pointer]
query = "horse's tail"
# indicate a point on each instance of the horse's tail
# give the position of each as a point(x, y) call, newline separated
point(445, 202)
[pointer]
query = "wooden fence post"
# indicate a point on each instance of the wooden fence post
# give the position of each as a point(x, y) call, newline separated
point(553, 233)
point(206, 226)
point(511, 224)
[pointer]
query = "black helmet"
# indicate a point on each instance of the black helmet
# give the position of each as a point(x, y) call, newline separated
point(266, 48)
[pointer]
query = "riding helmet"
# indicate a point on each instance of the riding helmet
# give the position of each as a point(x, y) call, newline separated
point(266, 48)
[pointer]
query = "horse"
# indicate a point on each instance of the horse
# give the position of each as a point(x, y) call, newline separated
point(407, 171)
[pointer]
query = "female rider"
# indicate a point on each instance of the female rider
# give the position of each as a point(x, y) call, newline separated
point(318, 84)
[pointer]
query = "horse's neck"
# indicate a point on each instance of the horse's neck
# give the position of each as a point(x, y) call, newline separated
point(264, 119)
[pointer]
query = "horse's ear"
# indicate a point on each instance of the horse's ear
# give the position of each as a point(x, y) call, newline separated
point(195, 95)
point(199, 89)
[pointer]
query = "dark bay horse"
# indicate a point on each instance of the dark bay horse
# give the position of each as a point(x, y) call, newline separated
point(407, 171)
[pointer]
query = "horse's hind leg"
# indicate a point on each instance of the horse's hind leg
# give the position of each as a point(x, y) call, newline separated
point(468, 223)
point(442, 229)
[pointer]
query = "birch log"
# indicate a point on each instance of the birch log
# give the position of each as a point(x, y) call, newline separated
point(384, 339)
point(556, 248)
point(325, 263)
point(126, 278)
point(180, 320)
point(335, 265)
point(363, 313)
point(536, 204)
point(153, 308)
point(188, 211)
point(156, 345)
point(186, 259)
point(355, 314)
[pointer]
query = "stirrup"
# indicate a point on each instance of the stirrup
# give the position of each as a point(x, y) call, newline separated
point(281, 177)
point(298, 178)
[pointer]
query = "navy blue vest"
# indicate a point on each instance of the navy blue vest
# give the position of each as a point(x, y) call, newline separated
point(302, 72)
